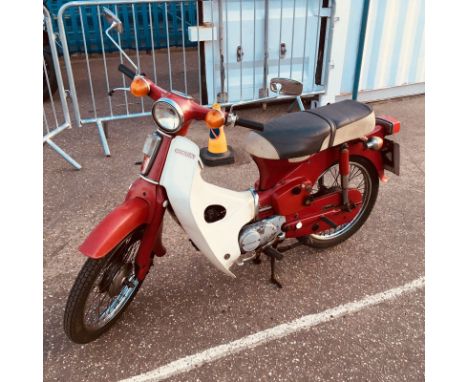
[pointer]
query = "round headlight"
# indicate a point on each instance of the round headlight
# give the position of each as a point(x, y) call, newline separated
point(168, 115)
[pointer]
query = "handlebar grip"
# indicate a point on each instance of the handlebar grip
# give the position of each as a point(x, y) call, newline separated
point(127, 71)
point(250, 124)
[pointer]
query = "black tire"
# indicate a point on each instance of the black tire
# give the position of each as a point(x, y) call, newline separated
point(49, 65)
point(74, 318)
point(315, 242)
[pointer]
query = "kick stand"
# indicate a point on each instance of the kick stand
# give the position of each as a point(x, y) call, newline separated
point(274, 255)
point(257, 260)
point(273, 278)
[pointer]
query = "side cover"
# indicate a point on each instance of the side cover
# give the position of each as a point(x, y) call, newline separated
point(190, 195)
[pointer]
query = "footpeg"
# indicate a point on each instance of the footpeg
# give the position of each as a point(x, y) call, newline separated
point(273, 253)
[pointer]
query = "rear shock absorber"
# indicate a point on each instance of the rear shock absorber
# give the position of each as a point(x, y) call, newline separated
point(344, 173)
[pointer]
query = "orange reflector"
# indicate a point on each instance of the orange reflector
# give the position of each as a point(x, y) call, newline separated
point(144, 164)
point(139, 87)
point(214, 118)
point(384, 178)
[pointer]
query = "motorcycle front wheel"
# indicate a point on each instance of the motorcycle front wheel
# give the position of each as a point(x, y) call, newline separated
point(102, 291)
point(362, 176)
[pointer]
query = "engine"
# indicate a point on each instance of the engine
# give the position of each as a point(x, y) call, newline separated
point(255, 235)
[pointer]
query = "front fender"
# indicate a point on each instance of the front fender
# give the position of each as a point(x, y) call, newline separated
point(114, 227)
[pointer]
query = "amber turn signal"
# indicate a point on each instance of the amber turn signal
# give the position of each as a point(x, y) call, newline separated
point(139, 87)
point(214, 119)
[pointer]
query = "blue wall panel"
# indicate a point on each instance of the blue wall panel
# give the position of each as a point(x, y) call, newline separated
point(352, 42)
point(394, 49)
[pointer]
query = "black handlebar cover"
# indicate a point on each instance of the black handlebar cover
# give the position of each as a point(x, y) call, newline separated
point(127, 71)
point(250, 124)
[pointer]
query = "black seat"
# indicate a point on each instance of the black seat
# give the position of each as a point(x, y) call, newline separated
point(303, 133)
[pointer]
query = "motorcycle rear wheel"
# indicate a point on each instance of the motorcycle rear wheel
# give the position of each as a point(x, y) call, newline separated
point(103, 289)
point(364, 177)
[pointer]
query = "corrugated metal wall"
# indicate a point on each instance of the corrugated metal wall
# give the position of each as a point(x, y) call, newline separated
point(393, 56)
point(394, 47)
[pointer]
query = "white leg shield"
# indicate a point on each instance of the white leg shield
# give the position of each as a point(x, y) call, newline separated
point(190, 196)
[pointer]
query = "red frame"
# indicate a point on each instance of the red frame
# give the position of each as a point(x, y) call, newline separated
point(275, 173)
point(146, 201)
point(279, 177)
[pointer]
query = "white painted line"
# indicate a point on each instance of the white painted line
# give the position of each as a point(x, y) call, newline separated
point(196, 360)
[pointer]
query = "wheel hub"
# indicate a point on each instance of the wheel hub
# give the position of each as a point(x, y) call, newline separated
point(119, 279)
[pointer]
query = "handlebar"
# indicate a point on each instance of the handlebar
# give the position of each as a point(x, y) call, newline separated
point(240, 121)
point(127, 71)
point(250, 124)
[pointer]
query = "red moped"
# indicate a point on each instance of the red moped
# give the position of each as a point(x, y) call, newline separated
point(319, 180)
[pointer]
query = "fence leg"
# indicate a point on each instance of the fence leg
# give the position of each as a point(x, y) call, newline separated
point(336, 60)
point(64, 155)
point(103, 138)
point(299, 102)
point(106, 129)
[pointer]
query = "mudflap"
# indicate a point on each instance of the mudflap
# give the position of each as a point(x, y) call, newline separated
point(391, 156)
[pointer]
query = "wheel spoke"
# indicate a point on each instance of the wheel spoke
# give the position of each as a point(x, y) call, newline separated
point(103, 298)
point(335, 177)
point(361, 183)
point(354, 172)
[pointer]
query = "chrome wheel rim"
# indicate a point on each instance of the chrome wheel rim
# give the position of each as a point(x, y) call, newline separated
point(113, 287)
point(360, 179)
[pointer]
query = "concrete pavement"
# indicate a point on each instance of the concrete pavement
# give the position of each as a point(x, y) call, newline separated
point(186, 306)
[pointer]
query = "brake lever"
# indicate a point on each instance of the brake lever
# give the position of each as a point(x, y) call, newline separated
point(112, 91)
point(231, 119)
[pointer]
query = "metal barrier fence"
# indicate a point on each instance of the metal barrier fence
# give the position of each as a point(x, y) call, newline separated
point(90, 18)
point(236, 48)
point(56, 116)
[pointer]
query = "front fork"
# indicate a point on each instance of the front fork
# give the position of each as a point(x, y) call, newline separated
point(151, 243)
point(150, 190)
point(344, 174)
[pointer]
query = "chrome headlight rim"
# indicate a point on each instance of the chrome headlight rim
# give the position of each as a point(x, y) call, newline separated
point(176, 107)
